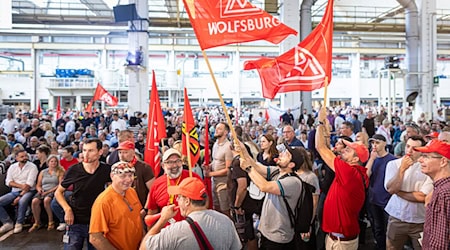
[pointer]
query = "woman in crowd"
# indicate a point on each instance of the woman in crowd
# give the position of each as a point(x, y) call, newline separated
point(47, 182)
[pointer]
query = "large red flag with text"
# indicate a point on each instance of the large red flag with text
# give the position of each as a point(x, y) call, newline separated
point(206, 162)
point(190, 129)
point(222, 22)
point(302, 68)
point(103, 95)
point(156, 130)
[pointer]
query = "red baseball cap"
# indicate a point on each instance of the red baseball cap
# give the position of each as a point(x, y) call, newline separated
point(126, 145)
point(436, 146)
point(433, 135)
point(191, 187)
point(361, 150)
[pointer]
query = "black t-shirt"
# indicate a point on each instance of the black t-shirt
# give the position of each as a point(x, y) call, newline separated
point(86, 188)
point(249, 205)
point(38, 132)
point(369, 125)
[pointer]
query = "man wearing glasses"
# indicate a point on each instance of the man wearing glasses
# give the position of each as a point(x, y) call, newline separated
point(408, 186)
point(289, 137)
point(435, 162)
point(173, 175)
point(115, 220)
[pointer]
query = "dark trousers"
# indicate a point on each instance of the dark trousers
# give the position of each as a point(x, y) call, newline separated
point(379, 220)
point(320, 238)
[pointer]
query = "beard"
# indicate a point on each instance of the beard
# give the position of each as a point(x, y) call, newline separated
point(173, 174)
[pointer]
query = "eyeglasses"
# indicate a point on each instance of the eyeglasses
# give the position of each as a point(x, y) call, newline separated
point(288, 131)
point(173, 162)
point(427, 156)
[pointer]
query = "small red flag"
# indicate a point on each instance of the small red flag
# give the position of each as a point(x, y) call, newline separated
point(156, 130)
point(223, 22)
point(302, 68)
point(58, 108)
point(189, 127)
point(266, 115)
point(103, 95)
point(39, 110)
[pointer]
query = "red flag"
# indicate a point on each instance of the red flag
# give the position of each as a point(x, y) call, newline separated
point(206, 161)
point(189, 127)
point(89, 105)
point(302, 68)
point(156, 130)
point(58, 108)
point(39, 110)
point(266, 115)
point(223, 22)
point(103, 95)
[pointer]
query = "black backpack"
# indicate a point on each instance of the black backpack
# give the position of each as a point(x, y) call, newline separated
point(302, 215)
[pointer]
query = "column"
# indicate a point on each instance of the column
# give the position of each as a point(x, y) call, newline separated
point(355, 59)
point(236, 93)
point(291, 17)
point(35, 64)
point(138, 79)
point(78, 103)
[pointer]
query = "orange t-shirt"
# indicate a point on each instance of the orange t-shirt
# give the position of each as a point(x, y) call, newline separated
point(118, 218)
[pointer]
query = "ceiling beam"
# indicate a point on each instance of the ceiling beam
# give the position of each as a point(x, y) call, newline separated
point(98, 7)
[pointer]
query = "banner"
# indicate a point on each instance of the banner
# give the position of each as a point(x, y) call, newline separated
point(190, 129)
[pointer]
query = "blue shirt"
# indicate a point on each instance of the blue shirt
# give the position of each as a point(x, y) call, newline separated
point(296, 143)
point(377, 193)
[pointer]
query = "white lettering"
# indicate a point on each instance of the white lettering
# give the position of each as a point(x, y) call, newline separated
point(242, 25)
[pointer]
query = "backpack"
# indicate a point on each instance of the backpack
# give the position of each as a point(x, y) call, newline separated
point(302, 215)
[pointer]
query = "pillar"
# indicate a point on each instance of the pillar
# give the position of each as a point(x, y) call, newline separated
point(355, 79)
point(138, 79)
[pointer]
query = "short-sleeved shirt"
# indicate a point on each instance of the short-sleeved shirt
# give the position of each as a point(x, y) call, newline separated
point(344, 199)
point(221, 153)
point(143, 174)
point(66, 164)
point(311, 178)
point(218, 229)
point(413, 180)
point(275, 224)
point(158, 196)
point(86, 188)
point(118, 218)
point(236, 172)
point(436, 230)
point(378, 195)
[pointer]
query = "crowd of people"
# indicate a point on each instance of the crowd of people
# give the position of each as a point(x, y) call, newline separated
point(84, 174)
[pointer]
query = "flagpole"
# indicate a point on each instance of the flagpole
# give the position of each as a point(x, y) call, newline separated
point(188, 150)
point(233, 133)
point(325, 95)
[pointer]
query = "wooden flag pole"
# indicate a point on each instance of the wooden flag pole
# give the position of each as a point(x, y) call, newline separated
point(233, 133)
point(188, 150)
point(325, 95)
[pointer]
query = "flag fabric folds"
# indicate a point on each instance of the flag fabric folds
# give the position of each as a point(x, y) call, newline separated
point(223, 22)
point(103, 95)
point(302, 68)
point(156, 130)
point(190, 129)
point(58, 108)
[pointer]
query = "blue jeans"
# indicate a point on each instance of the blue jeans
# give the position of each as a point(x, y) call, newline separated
point(78, 233)
point(57, 209)
point(24, 202)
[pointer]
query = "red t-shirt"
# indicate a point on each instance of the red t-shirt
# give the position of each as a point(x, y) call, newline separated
point(66, 164)
point(158, 196)
point(344, 200)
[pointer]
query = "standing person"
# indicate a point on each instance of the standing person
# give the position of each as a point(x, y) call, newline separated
point(116, 222)
point(192, 198)
point(144, 173)
point(287, 118)
point(408, 187)
point(21, 177)
point(222, 157)
point(173, 175)
point(290, 138)
point(47, 182)
point(385, 130)
point(346, 195)
point(89, 178)
point(368, 125)
point(378, 195)
point(435, 162)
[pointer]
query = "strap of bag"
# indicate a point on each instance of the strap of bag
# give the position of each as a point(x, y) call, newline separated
point(290, 212)
point(199, 235)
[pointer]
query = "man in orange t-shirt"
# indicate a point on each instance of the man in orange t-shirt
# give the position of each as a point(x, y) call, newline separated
point(173, 175)
point(116, 222)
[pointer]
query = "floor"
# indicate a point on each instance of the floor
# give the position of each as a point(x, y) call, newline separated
point(37, 240)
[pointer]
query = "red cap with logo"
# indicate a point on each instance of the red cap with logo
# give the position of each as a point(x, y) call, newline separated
point(361, 150)
point(436, 146)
